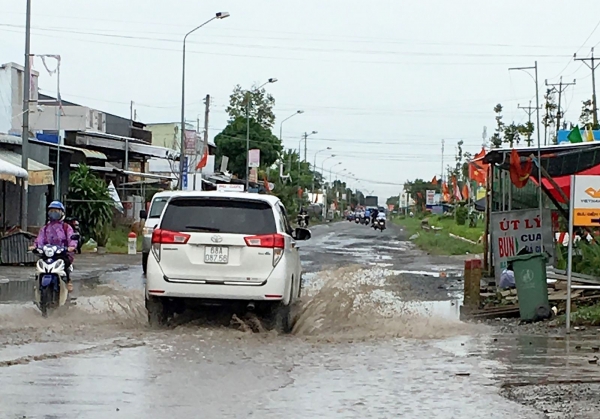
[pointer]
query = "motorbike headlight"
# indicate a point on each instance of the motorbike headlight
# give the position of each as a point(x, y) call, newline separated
point(48, 252)
point(40, 265)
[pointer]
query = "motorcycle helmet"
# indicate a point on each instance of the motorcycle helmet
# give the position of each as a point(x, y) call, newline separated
point(56, 211)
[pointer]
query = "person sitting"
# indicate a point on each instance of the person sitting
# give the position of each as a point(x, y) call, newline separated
point(58, 233)
point(507, 278)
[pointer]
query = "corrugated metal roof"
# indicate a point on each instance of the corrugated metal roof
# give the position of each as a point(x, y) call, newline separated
point(10, 139)
point(39, 174)
point(15, 158)
point(90, 154)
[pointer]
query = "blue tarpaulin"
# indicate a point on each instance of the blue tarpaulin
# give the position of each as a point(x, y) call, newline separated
point(563, 133)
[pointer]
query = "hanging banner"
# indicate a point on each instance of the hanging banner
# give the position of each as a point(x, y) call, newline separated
point(253, 175)
point(254, 158)
point(514, 230)
point(430, 198)
point(190, 142)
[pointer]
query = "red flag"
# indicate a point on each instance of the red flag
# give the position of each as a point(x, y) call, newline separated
point(478, 169)
point(300, 192)
point(456, 189)
point(465, 191)
point(203, 160)
point(445, 192)
point(519, 172)
point(434, 181)
point(266, 184)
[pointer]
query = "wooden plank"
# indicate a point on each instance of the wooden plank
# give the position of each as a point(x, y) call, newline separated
point(578, 276)
point(562, 296)
point(560, 277)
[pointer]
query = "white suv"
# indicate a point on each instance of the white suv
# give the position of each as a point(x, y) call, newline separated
point(220, 247)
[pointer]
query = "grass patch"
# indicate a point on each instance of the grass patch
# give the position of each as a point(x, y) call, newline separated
point(584, 316)
point(440, 242)
point(117, 242)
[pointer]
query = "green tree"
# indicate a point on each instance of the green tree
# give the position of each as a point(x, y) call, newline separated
point(260, 109)
point(499, 132)
point(89, 200)
point(417, 189)
point(512, 134)
point(550, 108)
point(231, 142)
point(587, 114)
point(526, 130)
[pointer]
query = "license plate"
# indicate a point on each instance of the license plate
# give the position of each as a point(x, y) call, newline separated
point(216, 254)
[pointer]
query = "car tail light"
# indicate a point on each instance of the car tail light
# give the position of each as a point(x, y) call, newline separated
point(160, 237)
point(169, 237)
point(268, 241)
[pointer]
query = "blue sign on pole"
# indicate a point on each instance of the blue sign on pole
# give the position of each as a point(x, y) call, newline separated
point(185, 173)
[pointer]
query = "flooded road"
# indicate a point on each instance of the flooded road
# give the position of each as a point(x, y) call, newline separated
point(377, 336)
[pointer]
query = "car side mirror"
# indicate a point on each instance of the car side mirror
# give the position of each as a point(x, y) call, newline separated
point(301, 234)
point(143, 214)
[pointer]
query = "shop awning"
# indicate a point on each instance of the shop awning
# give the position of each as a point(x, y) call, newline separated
point(11, 172)
point(39, 174)
point(564, 183)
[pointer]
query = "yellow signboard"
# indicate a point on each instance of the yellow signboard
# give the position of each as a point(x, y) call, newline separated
point(586, 201)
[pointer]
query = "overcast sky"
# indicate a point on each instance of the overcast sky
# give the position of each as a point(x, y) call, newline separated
point(382, 82)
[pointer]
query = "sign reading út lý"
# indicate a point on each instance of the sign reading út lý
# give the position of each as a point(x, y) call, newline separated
point(515, 230)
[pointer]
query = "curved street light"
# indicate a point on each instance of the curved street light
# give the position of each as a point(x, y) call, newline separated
point(220, 15)
point(271, 80)
point(315, 167)
point(298, 112)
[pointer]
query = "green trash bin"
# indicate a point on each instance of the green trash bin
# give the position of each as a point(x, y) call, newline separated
point(532, 287)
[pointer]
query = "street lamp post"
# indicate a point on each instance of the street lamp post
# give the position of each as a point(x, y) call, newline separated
point(315, 168)
point(248, 96)
point(298, 112)
point(220, 15)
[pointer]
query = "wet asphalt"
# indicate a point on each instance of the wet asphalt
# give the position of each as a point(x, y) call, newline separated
point(377, 336)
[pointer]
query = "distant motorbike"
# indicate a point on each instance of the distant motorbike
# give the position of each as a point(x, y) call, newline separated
point(51, 278)
point(74, 223)
point(379, 224)
point(302, 220)
point(367, 220)
point(357, 220)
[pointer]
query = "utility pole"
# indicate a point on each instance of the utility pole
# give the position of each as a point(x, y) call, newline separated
point(206, 116)
point(305, 146)
point(592, 66)
point(442, 175)
point(529, 110)
point(25, 133)
point(561, 88)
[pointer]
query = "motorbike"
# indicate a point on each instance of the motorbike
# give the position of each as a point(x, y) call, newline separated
point(357, 219)
point(379, 224)
point(74, 223)
point(302, 220)
point(51, 278)
point(367, 221)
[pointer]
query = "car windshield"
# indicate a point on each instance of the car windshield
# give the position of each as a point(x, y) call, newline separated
point(157, 207)
point(233, 216)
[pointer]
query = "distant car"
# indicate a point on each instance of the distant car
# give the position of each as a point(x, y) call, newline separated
point(158, 203)
point(350, 216)
point(224, 248)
